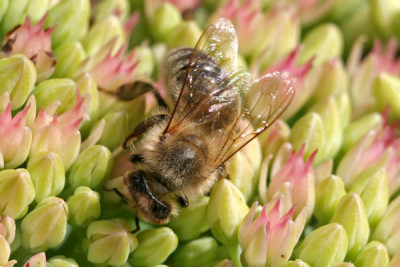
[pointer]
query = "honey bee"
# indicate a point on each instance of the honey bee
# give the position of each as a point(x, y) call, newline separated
point(218, 110)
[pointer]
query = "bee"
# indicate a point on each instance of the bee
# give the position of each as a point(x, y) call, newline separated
point(218, 110)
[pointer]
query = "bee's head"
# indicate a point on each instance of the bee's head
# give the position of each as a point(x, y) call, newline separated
point(142, 196)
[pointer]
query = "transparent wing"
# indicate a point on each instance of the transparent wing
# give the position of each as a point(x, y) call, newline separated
point(212, 84)
point(266, 99)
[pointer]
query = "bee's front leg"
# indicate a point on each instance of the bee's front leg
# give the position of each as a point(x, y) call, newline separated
point(222, 173)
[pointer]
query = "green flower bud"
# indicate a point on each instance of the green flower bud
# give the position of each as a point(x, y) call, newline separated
point(7, 228)
point(163, 20)
point(185, 33)
point(199, 252)
point(37, 260)
point(155, 245)
point(61, 261)
point(72, 20)
point(144, 55)
point(308, 130)
point(110, 242)
point(358, 128)
point(49, 91)
point(328, 194)
point(3, 8)
point(372, 186)
point(105, 8)
point(374, 254)
point(324, 246)
point(5, 250)
point(331, 120)
point(243, 168)
point(45, 226)
point(69, 56)
point(87, 85)
point(91, 167)
point(47, 173)
point(83, 206)
point(17, 77)
point(37, 9)
point(387, 230)
point(192, 221)
point(344, 105)
point(333, 80)
point(115, 130)
point(323, 42)
point(296, 263)
point(14, 14)
point(225, 211)
point(385, 90)
point(351, 214)
point(101, 33)
point(16, 192)
point(384, 15)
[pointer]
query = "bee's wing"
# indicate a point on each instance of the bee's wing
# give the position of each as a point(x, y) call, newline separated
point(265, 100)
point(203, 94)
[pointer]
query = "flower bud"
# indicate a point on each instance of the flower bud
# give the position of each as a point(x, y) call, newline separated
point(274, 137)
point(101, 33)
point(324, 246)
point(225, 211)
point(69, 56)
point(110, 242)
point(328, 194)
point(185, 34)
point(387, 230)
point(61, 261)
point(37, 260)
point(103, 9)
point(322, 42)
point(15, 137)
point(332, 126)
point(192, 221)
point(198, 252)
point(344, 105)
point(155, 245)
point(343, 264)
point(359, 128)
point(146, 59)
point(72, 20)
point(91, 167)
point(115, 130)
point(45, 226)
point(3, 8)
point(14, 14)
point(18, 76)
point(296, 263)
point(49, 91)
point(351, 214)
point(163, 20)
point(333, 80)
point(384, 15)
point(7, 228)
point(5, 250)
point(83, 206)
point(386, 93)
point(372, 186)
point(243, 168)
point(374, 254)
point(16, 192)
point(308, 130)
point(47, 173)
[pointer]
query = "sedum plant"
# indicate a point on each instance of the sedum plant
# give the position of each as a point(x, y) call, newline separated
point(321, 187)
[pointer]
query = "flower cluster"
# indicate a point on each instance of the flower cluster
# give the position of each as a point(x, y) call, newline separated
point(320, 187)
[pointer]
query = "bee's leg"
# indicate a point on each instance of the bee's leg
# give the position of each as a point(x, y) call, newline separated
point(137, 229)
point(120, 195)
point(139, 130)
point(222, 173)
point(183, 201)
